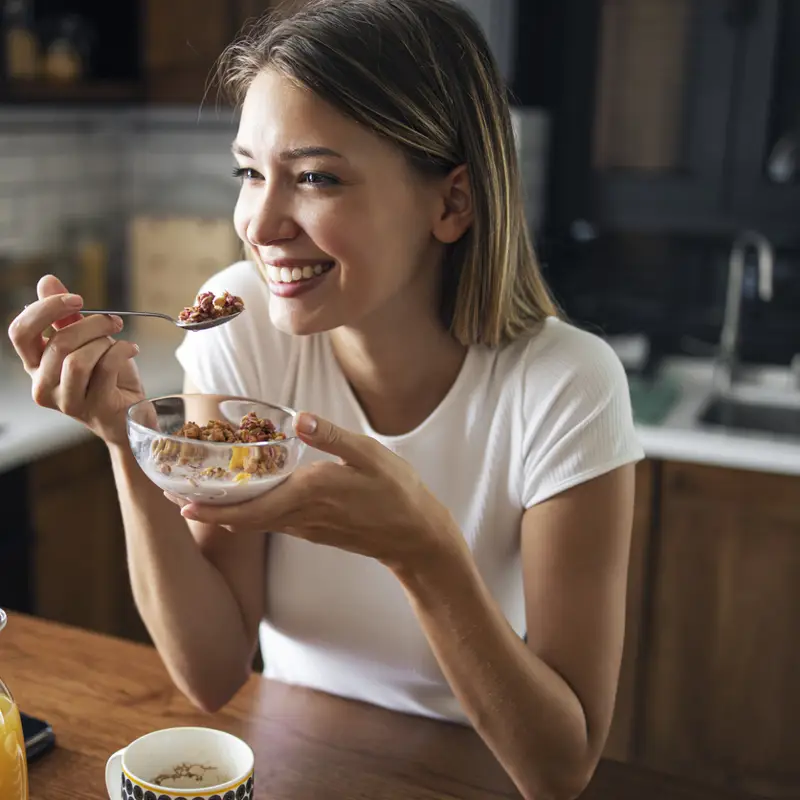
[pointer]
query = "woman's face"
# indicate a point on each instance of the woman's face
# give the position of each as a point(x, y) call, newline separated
point(346, 229)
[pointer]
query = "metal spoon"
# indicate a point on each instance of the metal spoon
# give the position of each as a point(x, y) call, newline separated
point(187, 326)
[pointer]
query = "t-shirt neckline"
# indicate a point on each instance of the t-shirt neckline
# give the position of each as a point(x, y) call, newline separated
point(441, 408)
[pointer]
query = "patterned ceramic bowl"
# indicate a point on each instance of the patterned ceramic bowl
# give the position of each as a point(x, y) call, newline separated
point(182, 764)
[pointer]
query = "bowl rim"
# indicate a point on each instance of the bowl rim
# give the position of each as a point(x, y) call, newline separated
point(144, 429)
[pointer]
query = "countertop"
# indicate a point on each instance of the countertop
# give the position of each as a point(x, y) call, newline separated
point(30, 432)
point(307, 744)
point(679, 437)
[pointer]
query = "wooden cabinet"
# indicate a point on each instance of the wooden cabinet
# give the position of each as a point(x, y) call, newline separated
point(78, 557)
point(621, 744)
point(721, 691)
point(183, 39)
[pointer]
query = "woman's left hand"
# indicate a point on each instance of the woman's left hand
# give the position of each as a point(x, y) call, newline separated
point(370, 502)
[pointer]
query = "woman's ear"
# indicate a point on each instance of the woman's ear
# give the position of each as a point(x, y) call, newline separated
point(455, 210)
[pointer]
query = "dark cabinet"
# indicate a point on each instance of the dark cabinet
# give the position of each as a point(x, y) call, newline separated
point(77, 557)
point(670, 116)
point(161, 52)
point(765, 123)
point(666, 71)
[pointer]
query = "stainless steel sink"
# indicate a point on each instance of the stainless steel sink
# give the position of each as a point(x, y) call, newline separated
point(727, 412)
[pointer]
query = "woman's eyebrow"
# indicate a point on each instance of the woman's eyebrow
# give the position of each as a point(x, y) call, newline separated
point(308, 152)
point(289, 155)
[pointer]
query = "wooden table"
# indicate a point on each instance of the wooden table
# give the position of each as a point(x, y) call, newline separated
point(100, 693)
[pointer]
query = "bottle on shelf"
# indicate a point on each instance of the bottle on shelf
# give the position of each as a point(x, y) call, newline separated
point(20, 43)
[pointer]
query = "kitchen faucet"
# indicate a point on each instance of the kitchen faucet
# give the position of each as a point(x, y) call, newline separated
point(725, 368)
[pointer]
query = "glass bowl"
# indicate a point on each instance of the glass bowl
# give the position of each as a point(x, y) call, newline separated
point(205, 470)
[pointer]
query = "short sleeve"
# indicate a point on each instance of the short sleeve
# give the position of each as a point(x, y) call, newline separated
point(578, 416)
point(234, 358)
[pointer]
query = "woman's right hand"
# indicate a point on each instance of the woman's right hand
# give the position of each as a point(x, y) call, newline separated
point(80, 370)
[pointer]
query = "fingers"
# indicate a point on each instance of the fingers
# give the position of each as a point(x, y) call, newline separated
point(352, 448)
point(64, 386)
point(76, 374)
point(48, 286)
point(275, 510)
point(106, 373)
point(27, 328)
point(70, 346)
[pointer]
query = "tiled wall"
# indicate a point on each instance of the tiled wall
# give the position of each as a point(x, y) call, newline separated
point(58, 168)
point(50, 173)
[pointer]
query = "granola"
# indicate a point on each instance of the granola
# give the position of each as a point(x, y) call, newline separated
point(246, 461)
point(210, 307)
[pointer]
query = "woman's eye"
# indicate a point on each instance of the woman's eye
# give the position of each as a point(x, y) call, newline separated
point(246, 174)
point(319, 179)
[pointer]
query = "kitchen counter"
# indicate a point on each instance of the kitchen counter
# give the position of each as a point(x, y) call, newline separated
point(679, 437)
point(306, 743)
point(28, 432)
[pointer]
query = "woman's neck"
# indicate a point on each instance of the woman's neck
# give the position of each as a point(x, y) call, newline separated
point(399, 380)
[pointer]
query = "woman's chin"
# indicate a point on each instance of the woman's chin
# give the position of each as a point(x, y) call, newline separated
point(295, 322)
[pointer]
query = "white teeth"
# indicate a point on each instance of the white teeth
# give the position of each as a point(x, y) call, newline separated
point(292, 274)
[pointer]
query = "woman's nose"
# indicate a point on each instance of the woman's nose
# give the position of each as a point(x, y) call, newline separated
point(270, 222)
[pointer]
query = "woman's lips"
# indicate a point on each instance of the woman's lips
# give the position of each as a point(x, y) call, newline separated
point(292, 278)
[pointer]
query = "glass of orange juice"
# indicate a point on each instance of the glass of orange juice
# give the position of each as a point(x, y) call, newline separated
point(13, 765)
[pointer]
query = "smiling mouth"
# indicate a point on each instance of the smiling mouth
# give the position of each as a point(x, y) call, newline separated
point(297, 274)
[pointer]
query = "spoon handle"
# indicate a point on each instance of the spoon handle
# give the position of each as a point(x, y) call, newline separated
point(129, 314)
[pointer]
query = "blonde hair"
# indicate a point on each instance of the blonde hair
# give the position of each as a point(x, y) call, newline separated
point(420, 74)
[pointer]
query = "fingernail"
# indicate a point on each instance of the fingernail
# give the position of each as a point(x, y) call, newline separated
point(188, 512)
point(117, 321)
point(135, 349)
point(305, 423)
point(73, 300)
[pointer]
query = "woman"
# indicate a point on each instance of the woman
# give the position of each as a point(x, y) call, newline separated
point(456, 543)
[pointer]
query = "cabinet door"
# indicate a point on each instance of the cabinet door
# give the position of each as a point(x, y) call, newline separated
point(182, 41)
point(79, 565)
point(621, 744)
point(665, 75)
point(722, 689)
point(765, 162)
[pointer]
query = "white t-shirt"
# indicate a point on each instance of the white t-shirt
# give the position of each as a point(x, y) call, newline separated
point(519, 425)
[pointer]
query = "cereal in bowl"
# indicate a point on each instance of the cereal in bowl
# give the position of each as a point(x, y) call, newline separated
point(244, 463)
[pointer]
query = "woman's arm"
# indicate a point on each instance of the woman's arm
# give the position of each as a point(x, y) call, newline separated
point(543, 708)
point(200, 589)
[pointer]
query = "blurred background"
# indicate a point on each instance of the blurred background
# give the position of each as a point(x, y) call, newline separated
point(658, 141)
point(651, 133)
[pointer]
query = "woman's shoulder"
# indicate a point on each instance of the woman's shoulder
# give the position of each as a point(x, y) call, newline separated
point(561, 352)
